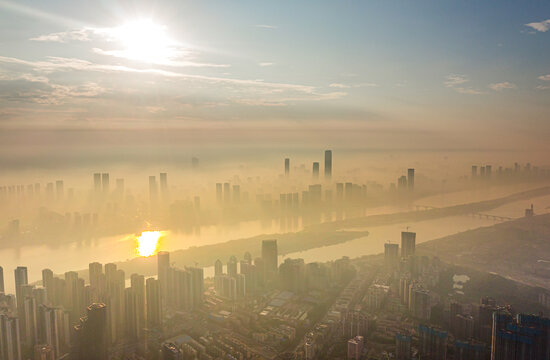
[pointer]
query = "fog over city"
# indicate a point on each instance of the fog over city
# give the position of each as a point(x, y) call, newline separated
point(274, 180)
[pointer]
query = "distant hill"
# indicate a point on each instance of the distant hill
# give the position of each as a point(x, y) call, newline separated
point(518, 250)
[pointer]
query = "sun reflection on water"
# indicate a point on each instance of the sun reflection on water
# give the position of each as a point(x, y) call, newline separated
point(148, 243)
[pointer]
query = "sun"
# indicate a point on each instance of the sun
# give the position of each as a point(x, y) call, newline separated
point(146, 41)
point(148, 243)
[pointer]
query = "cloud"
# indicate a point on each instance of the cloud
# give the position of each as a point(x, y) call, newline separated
point(266, 64)
point(542, 26)
point(544, 77)
point(502, 86)
point(543, 87)
point(266, 26)
point(455, 79)
point(345, 86)
point(468, 91)
point(63, 37)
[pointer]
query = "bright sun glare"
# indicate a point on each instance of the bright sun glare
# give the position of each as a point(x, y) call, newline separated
point(146, 41)
point(148, 242)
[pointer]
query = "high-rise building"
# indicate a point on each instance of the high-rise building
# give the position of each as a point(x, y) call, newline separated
point(59, 190)
point(328, 165)
point(10, 343)
point(287, 166)
point(226, 193)
point(391, 255)
point(219, 193)
point(31, 321)
point(355, 348)
point(410, 179)
point(105, 183)
point(315, 171)
point(164, 186)
point(171, 352)
point(163, 264)
point(218, 267)
point(521, 338)
point(43, 352)
point(51, 328)
point(270, 259)
point(138, 290)
point(21, 279)
point(469, 350)
point(90, 339)
point(97, 183)
point(408, 243)
point(236, 194)
point(2, 280)
point(432, 343)
point(402, 347)
point(154, 303)
point(153, 190)
point(96, 274)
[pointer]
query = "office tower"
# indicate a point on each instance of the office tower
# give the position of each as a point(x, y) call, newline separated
point(171, 352)
point(287, 167)
point(163, 264)
point(10, 343)
point(90, 339)
point(349, 191)
point(270, 259)
point(488, 170)
point(355, 348)
point(59, 190)
point(97, 183)
point(432, 343)
point(410, 179)
point(138, 288)
point(164, 186)
point(218, 267)
point(236, 194)
point(391, 255)
point(402, 183)
point(402, 347)
point(328, 165)
point(2, 280)
point(408, 241)
point(219, 193)
point(154, 303)
point(474, 171)
point(153, 190)
point(226, 193)
point(105, 183)
point(194, 163)
point(315, 171)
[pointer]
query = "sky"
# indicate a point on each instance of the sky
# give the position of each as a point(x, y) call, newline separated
point(112, 79)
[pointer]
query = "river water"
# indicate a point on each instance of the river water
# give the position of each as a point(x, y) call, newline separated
point(77, 255)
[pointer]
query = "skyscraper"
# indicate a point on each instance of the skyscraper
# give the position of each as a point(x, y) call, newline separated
point(164, 186)
point(408, 243)
point(138, 289)
point(391, 255)
point(227, 193)
point(270, 258)
point(105, 183)
point(90, 339)
point(474, 171)
point(20, 280)
point(219, 193)
point(432, 343)
point(153, 190)
point(315, 171)
point(163, 264)
point(1, 279)
point(287, 166)
point(10, 343)
point(328, 165)
point(59, 190)
point(410, 179)
point(97, 183)
point(154, 305)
